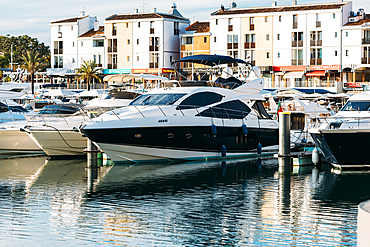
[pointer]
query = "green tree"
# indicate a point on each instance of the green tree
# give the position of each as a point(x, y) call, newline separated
point(32, 62)
point(88, 71)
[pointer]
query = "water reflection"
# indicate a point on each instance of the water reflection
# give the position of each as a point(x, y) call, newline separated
point(234, 202)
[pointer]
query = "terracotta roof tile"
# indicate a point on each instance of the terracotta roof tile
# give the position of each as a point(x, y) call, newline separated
point(198, 27)
point(75, 19)
point(359, 22)
point(299, 7)
point(91, 32)
point(142, 16)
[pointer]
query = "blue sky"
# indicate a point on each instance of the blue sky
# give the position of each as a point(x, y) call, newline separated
point(18, 17)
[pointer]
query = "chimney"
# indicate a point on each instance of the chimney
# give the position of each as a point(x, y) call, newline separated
point(96, 25)
point(294, 2)
point(154, 10)
point(274, 3)
point(82, 13)
point(136, 11)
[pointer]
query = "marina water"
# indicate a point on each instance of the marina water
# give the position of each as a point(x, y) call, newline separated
point(233, 203)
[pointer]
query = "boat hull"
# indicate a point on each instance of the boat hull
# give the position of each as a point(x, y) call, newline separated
point(344, 147)
point(15, 141)
point(179, 143)
point(59, 143)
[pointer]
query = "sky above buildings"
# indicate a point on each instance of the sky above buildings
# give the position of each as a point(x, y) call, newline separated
point(19, 17)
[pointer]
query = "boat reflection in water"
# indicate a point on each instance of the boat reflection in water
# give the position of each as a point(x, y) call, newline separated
point(233, 202)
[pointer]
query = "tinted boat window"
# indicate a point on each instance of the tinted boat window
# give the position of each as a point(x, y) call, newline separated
point(200, 99)
point(260, 110)
point(157, 99)
point(3, 107)
point(17, 109)
point(231, 109)
point(356, 106)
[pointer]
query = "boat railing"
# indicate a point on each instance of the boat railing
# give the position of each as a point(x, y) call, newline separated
point(335, 123)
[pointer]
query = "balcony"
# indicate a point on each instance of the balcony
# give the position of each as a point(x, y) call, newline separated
point(151, 30)
point(294, 43)
point(300, 43)
point(249, 45)
point(112, 49)
point(58, 51)
point(295, 25)
point(235, 46)
point(297, 61)
point(317, 61)
point(251, 27)
point(365, 60)
point(319, 42)
point(58, 66)
point(229, 45)
point(230, 28)
point(114, 32)
point(318, 23)
point(153, 48)
point(112, 66)
point(365, 41)
point(315, 42)
point(153, 65)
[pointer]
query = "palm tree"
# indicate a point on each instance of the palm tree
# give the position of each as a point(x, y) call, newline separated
point(88, 71)
point(32, 62)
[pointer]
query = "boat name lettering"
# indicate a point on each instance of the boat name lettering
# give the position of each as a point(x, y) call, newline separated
point(162, 120)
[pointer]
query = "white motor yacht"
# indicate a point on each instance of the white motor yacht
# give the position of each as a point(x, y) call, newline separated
point(342, 138)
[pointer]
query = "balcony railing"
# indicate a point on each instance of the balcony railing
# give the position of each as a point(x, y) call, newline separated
point(318, 23)
point(297, 61)
point(229, 45)
point(230, 28)
point(58, 51)
point(153, 48)
point(251, 27)
point(294, 43)
point(153, 65)
point(365, 60)
point(112, 66)
point(99, 65)
point(317, 61)
point(300, 43)
point(58, 65)
point(235, 45)
point(319, 42)
point(151, 30)
point(315, 42)
point(253, 62)
point(114, 32)
point(365, 41)
point(247, 45)
point(112, 49)
point(295, 25)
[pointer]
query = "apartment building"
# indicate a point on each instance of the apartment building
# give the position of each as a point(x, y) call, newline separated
point(143, 42)
point(293, 44)
point(73, 41)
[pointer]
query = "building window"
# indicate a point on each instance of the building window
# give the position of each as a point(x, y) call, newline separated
point(333, 15)
point(346, 34)
point(278, 37)
point(82, 43)
point(138, 24)
point(98, 43)
point(71, 28)
point(267, 54)
point(335, 53)
point(137, 41)
point(94, 58)
point(137, 58)
point(215, 39)
point(347, 53)
point(128, 41)
point(187, 40)
point(335, 34)
point(171, 59)
point(279, 18)
point(278, 54)
point(176, 29)
point(266, 19)
point(73, 60)
point(99, 62)
point(73, 44)
point(267, 36)
point(59, 28)
point(114, 29)
point(205, 39)
point(128, 58)
point(216, 21)
point(126, 24)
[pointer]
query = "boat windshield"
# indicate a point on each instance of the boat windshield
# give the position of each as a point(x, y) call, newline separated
point(356, 106)
point(157, 99)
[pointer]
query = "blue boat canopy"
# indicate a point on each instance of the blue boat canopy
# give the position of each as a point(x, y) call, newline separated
point(4, 69)
point(210, 60)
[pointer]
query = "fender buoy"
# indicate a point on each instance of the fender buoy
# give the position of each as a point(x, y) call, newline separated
point(214, 130)
point(223, 151)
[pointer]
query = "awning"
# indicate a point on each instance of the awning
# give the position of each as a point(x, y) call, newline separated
point(316, 73)
point(295, 74)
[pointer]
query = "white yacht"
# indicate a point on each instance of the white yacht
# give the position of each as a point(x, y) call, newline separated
point(342, 138)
